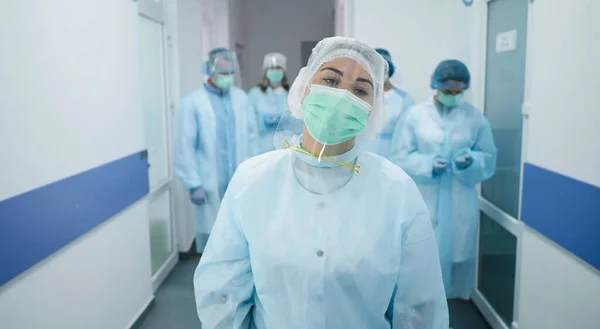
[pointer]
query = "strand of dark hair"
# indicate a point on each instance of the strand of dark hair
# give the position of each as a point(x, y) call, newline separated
point(263, 84)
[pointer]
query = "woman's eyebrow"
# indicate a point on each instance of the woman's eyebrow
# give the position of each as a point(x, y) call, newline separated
point(365, 80)
point(340, 73)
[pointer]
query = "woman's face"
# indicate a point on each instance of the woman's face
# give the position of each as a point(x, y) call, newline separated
point(453, 87)
point(275, 68)
point(345, 73)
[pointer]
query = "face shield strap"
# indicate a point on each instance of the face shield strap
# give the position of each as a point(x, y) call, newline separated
point(327, 176)
point(346, 160)
point(321, 153)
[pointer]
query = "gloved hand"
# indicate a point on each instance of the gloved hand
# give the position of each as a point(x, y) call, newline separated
point(439, 165)
point(463, 161)
point(198, 196)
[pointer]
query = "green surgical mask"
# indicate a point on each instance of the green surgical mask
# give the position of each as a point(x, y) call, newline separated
point(333, 116)
point(449, 100)
point(224, 81)
point(275, 76)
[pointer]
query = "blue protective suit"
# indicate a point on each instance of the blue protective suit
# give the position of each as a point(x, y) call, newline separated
point(214, 134)
point(361, 257)
point(267, 108)
point(396, 103)
point(430, 131)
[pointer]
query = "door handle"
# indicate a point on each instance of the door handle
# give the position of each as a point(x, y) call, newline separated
point(144, 156)
point(525, 109)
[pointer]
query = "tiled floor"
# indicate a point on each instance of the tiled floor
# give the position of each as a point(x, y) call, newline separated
point(174, 307)
point(464, 315)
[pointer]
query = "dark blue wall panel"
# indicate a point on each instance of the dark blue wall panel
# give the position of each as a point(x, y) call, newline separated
point(563, 209)
point(35, 224)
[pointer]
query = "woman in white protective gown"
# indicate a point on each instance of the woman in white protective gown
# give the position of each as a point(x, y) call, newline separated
point(320, 234)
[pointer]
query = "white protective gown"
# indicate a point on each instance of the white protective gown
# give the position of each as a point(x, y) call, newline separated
point(429, 131)
point(267, 107)
point(195, 158)
point(357, 251)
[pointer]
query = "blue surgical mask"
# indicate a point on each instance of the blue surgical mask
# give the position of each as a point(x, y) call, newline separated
point(449, 100)
point(224, 81)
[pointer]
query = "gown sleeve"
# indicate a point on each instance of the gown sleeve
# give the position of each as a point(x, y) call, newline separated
point(223, 281)
point(419, 298)
point(185, 165)
point(405, 153)
point(483, 154)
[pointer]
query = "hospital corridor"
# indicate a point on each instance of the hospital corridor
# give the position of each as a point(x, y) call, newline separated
point(299, 164)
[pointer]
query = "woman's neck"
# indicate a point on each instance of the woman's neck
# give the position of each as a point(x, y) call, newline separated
point(274, 85)
point(314, 147)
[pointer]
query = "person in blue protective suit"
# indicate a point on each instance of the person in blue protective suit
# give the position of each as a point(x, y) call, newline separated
point(396, 103)
point(269, 99)
point(446, 146)
point(320, 234)
point(214, 134)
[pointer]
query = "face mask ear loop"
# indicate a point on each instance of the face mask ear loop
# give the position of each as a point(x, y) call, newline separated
point(321, 153)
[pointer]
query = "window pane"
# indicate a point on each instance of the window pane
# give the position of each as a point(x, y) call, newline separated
point(504, 95)
point(153, 102)
point(161, 244)
point(497, 264)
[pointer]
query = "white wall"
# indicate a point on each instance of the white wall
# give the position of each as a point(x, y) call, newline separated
point(237, 22)
point(343, 18)
point(418, 34)
point(102, 280)
point(567, 48)
point(70, 102)
point(217, 17)
point(237, 33)
point(281, 26)
point(188, 41)
point(559, 290)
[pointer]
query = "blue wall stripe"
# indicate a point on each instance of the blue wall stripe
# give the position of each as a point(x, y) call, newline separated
point(563, 209)
point(35, 224)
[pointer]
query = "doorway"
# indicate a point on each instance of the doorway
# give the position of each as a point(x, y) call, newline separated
point(157, 122)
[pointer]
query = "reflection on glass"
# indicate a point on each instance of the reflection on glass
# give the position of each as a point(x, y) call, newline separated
point(160, 230)
point(153, 101)
point(497, 263)
point(504, 96)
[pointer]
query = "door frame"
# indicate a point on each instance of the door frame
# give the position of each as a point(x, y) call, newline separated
point(342, 18)
point(157, 12)
point(514, 225)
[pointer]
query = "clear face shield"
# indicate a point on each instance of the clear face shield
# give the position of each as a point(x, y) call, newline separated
point(223, 69)
point(274, 66)
point(329, 109)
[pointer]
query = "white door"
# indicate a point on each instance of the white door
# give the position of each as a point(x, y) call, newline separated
point(154, 102)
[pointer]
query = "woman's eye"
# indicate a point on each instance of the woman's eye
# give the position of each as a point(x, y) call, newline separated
point(330, 81)
point(360, 92)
